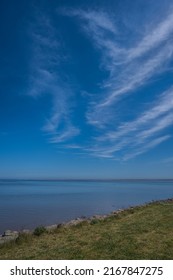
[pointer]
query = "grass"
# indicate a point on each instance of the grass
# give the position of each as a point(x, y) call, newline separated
point(144, 232)
point(39, 230)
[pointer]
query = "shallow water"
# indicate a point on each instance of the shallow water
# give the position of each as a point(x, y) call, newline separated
point(27, 204)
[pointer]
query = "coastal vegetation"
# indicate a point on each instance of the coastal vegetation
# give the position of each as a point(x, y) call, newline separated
point(143, 232)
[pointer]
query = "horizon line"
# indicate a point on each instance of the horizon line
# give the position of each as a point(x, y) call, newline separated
point(86, 179)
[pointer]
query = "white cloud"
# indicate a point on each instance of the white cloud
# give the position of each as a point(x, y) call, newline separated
point(95, 20)
point(159, 125)
point(135, 76)
point(69, 132)
point(160, 112)
point(135, 137)
point(128, 69)
point(153, 39)
point(147, 147)
point(45, 79)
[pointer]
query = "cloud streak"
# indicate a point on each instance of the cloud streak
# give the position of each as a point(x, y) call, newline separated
point(45, 79)
point(157, 36)
point(139, 134)
point(130, 68)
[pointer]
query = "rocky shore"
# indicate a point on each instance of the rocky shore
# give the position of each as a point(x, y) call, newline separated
point(10, 235)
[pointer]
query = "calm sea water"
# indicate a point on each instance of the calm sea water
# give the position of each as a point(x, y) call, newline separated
point(27, 204)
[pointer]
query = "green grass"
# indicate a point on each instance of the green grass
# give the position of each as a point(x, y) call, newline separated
point(144, 232)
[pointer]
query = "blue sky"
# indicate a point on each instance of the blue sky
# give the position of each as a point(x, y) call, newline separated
point(86, 89)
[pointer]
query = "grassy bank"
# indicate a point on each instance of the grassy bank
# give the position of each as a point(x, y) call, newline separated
point(144, 232)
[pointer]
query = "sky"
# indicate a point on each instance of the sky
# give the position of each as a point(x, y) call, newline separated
point(86, 89)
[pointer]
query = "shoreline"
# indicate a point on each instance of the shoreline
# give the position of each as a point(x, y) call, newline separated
point(10, 235)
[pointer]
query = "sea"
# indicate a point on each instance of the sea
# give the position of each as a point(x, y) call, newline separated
point(26, 204)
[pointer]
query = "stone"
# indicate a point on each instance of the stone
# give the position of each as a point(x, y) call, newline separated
point(74, 222)
point(27, 231)
point(10, 233)
point(8, 236)
point(52, 227)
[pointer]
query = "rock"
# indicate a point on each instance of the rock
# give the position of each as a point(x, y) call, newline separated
point(98, 217)
point(2, 241)
point(27, 231)
point(10, 233)
point(74, 222)
point(8, 236)
point(52, 227)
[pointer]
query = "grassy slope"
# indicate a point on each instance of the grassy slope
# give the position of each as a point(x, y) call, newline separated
point(141, 233)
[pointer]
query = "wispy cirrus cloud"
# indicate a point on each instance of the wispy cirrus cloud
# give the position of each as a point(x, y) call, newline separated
point(147, 147)
point(153, 39)
point(160, 112)
point(130, 68)
point(46, 79)
point(135, 137)
point(136, 76)
point(94, 22)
